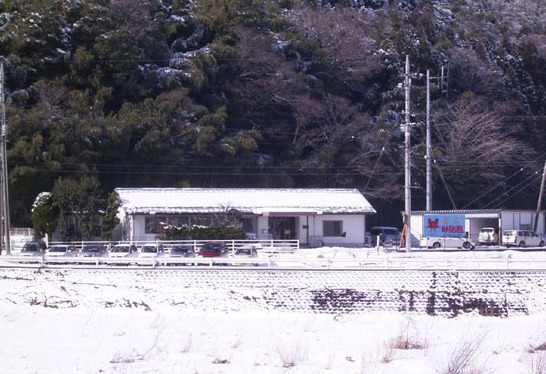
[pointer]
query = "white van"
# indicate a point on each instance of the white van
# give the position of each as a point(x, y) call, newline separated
point(445, 242)
point(522, 238)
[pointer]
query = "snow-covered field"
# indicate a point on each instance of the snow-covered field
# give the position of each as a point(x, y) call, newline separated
point(139, 333)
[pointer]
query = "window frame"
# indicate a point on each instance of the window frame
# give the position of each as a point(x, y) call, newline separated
point(332, 228)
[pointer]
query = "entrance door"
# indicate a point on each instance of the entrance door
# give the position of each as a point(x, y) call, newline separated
point(282, 227)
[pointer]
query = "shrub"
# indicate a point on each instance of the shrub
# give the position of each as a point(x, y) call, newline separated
point(203, 233)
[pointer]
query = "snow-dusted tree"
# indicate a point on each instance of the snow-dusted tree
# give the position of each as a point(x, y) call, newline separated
point(337, 47)
point(110, 220)
point(44, 215)
point(79, 203)
point(470, 73)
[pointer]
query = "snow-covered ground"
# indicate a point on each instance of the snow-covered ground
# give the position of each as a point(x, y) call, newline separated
point(141, 334)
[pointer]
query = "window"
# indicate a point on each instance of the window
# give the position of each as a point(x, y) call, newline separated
point(248, 224)
point(154, 225)
point(332, 228)
point(203, 220)
point(178, 221)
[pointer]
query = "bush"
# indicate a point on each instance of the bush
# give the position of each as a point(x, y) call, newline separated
point(203, 233)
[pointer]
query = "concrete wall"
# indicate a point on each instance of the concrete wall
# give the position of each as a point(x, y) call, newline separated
point(446, 293)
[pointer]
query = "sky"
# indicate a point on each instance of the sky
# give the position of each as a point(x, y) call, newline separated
point(53, 322)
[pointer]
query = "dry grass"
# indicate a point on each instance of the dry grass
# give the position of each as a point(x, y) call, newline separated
point(404, 342)
point(537, 362)
point(464, 358)
point(126, 357)
point(187, 339)
point(539, 347)
point(408, 338)
point(292, 353)
point(387, 354)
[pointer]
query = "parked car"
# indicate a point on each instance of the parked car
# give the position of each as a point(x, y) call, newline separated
point(388, 236)
point(60, 250)
point(488, 236)
point(212, 249)
point(446, 242)
point(92, 250)
point(33, 249)
point(522, 238)
point(247, 251)
point(122, 250)
point(182, 250)
point(151, 250)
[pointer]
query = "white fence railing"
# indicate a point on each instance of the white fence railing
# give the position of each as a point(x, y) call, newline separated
point(233, 244)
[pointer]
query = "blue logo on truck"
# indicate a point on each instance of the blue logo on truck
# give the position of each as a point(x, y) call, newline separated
point(451, 225)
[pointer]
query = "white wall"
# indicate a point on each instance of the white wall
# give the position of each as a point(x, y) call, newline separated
point(416, 226)
point(353, 225)
point(522, 219)
point(139, 228)
point(263, 227)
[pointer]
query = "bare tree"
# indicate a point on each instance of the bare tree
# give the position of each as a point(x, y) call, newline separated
point(345, 147)
point(475, 142)
point(473, 132)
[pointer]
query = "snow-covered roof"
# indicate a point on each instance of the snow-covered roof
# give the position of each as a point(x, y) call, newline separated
point(255, 201)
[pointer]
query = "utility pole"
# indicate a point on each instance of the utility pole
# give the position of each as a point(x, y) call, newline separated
point(428, 156)
point(539, 203)
point(407, 149)
point(4, 198)
point(428, 151)
point(2, 121)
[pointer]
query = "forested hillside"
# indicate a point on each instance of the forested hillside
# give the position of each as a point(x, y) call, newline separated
point(274, 93)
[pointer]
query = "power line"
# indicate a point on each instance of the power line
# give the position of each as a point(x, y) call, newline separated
point(492, 188)
point(517, 188)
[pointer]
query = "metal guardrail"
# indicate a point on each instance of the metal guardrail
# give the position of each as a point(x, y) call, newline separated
point(284, 260)
point(44, 261)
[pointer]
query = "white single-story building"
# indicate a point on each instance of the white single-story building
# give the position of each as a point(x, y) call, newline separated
point(312, 216)
point(475, 220)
